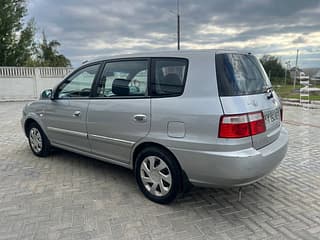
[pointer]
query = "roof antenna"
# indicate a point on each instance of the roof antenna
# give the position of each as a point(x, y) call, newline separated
point(85, 61)
point(178, 25)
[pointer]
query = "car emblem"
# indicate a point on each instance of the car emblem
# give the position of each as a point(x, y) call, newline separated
point(253, 103)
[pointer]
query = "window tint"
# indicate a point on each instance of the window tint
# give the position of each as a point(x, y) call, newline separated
point(79, 84)
point(240, 74)
point(169, 77)
point(124, 78)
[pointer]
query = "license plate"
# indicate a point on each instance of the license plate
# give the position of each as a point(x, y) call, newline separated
point(272, 117)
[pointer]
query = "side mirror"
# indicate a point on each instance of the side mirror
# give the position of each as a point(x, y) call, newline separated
point(46, 94)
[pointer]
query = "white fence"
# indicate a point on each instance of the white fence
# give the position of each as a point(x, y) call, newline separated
point(26, 83)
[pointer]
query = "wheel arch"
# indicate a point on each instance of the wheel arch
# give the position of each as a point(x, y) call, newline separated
point(184, 178)
point(28, 122)
point(144, 145)
point(45, 149)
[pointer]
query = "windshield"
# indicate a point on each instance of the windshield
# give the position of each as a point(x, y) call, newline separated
point(240, 74)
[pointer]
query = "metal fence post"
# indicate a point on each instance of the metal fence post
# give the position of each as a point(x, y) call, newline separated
point(36, 79)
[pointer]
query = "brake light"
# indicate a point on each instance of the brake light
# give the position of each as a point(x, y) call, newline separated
point(241, 125)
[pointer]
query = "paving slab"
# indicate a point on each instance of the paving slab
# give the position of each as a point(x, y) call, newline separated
point(68, 196)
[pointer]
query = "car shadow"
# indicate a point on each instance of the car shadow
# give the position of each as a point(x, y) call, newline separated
point(124, 179)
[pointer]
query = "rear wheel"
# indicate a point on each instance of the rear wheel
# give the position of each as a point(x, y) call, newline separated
point(158, 175)
point(38, 141)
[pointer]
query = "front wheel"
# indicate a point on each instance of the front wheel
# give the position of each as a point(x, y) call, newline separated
point(38, 141)
point(158, 175)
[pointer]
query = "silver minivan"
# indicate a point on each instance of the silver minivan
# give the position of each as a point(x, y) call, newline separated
point(210, 118)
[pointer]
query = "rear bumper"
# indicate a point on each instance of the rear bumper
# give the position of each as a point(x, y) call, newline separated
point(230, 169)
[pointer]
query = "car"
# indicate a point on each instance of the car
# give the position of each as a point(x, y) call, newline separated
point(203, 117)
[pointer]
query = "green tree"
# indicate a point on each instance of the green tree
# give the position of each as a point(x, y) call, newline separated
point(272, 65)
point(16, 38)
point(47, 55)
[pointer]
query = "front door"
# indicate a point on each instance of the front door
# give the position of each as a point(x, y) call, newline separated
point(120, 114)
point(66, 115)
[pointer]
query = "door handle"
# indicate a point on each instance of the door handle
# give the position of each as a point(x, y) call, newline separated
point(76, 114)
point(140, 118)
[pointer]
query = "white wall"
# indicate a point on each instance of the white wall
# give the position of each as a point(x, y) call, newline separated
point(22, 83)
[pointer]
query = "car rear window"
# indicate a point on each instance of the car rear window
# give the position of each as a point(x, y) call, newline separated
point(240, 74)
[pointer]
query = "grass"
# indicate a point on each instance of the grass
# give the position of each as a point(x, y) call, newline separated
point(288, 91)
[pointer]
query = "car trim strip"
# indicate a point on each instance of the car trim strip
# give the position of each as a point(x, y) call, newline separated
point(61, 130)
point(111, 140)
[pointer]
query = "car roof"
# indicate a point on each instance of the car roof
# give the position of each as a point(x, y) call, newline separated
point(176, 53)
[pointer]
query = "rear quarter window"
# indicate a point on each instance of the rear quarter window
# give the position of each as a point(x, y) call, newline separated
point(240, 74)
point(169, 76)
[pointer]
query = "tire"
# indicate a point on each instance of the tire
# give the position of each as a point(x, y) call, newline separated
point(38, 141)
point(162, 182)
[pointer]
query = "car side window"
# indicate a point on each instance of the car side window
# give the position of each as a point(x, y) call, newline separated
point(79, 84)
point(124, 78)
point(169, 77)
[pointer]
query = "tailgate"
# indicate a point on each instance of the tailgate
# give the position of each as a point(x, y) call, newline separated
point(244, 88)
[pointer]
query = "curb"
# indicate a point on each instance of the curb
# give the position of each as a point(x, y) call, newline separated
point(16, 100)
point(296, 103)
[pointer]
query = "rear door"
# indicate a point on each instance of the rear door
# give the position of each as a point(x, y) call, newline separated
point(119, 116)
point(244, 88)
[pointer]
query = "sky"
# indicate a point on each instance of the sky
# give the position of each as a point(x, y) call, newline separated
point(88, 29)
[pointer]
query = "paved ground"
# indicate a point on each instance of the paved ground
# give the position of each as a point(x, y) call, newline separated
point(68, 196)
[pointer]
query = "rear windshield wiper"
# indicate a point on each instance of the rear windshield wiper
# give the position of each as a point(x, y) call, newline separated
point(268, 90)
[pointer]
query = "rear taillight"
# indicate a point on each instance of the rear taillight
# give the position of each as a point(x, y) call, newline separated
point(241, 125)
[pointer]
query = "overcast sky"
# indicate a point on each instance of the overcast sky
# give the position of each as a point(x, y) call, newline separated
point(92, 28)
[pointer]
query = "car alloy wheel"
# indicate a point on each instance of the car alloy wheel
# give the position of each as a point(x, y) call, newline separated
point(35, 140)
point(38, 140)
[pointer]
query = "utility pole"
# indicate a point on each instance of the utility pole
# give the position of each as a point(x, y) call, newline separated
point(286, 70)
point(285, 75)
point(178, 25)
point(295, 72)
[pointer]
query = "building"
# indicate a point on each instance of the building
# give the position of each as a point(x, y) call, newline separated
point(301, 75)
point(316, 77)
